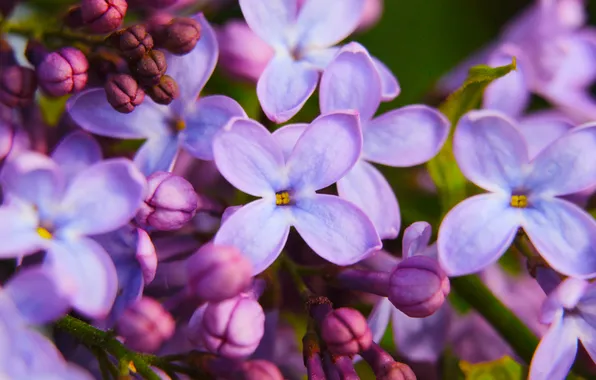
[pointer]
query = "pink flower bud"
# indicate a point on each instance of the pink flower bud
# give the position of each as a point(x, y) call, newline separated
point(345, 332)
point(123, 92)
point(179, 36)
point(63, 72)
point(17, 86)
point(103, 16)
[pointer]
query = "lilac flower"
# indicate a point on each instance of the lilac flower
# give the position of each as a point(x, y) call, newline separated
point(303, 40)
point(251, 159)
point(185, 123)
point(570, 311)
point(53, 205)
point(492, 153)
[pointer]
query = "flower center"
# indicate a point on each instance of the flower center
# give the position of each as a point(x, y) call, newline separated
point(179, 125)
point(282, 198)
point(519, 201)
point(44, 233)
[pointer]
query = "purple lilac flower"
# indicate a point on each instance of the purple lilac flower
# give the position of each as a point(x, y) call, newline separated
point(54, 205)
point(492, 153)
point(303, 40)
point(570, 311)
point(251, 159)
point(187, 122)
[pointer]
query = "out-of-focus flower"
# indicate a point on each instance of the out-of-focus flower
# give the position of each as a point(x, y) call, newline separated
point(145, 325)
point(252, 160)
point(492, 153)
point(186, 122)
point(17, 86)
point(103, 16)
point(63, 72)
point(303, 40)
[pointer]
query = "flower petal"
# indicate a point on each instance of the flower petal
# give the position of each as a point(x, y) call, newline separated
point(102, 198)
point(564, 235)
point(421, 339)
point(270, 19)
point(566, 166)
point(92, 112)
point(191, 71)
point(285, 86)
point(351, 82)
point(565, 296)
point(335, 229)
point(587, 336)
point(209, 116)
point(416, 238)
point(475, 233)
point(287, 136)
point(405, 137)
point(555, 353)
point(249, 157)
point(259, 230)
point(76, 152)
point(366, 187)
point(389, 85)
point(325, 152)
point(157, 154)
point(84, 264)
point(320, 58)
point(540, 129)
point(378, 319)
point(18, 224)
point(489, 150)
point(325, 23)
point(575, 66)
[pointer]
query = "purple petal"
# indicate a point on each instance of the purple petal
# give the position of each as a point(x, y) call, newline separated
point(556, 352)
point(489, 150)
point(285, 86)
point(191, 71)
point(325, 152)
point(366, 187)
point(416, 238)
point(565, 296)
point(157, 154)
point(325, 23)
point(209, 116)
point(378, 319)
point(287, 136)
point(103, 197)
point(92, 112)
point(578, 104)
point(259, 230)
point(405, 137)
point(586, 334)
point(18, 224)
point(563, 234)
point(421, 339)
point(270, 19)
point(37, 296)
point(351, 82)
point(389, 85)
point(568, 165)
point(576, 61)
point(320, 58)
point(249, 157)
point(541, 129)
point(335, 229)
point(76, 152)
point(475, 233)
point(84, 265)
point(130, 290)
point(509, 94)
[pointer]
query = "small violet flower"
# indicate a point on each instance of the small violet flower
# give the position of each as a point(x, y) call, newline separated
point(303, 39)
point(253, 160)
point(493, 154)
point(187, 122)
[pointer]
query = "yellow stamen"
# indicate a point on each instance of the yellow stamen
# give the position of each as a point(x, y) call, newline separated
point(45, 234)
point(519, 201)
point(282, 198)
point(132, 368)
point(180, 125)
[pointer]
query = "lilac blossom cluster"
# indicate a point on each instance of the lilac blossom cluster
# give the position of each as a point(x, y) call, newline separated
point(148, 234)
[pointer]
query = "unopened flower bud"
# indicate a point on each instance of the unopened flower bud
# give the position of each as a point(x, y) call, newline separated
point(7, 57)
point(134, 42)
point(256, 370)
point(74, 17)
point(179, 36)
point(345, 332)
point(17, 86)
point(218, 272)
point(103, 16)
point(418, 286)
point(145, 325)
point(63, 72)
point(384, 366)
point(35, 52)
point(123, 92)
point(155, 4)
point(165, 91)
point(150, 68)
point(232, 328)
point(171, 202)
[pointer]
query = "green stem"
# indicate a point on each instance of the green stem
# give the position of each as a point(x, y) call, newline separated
point(63, 34)
point(514, 331)
point(292, 269)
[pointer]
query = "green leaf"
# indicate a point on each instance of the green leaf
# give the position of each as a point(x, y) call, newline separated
point(443, 168)
point(501, 369)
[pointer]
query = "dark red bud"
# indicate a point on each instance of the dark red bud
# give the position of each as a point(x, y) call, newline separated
point(123, 93)
point(150, 68)
point(17, 86)
point(134, 42)
point(74, 17)
point(179, 36)
point(165, 91)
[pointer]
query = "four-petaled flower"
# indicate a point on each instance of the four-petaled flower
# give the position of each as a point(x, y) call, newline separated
point(252, 160)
